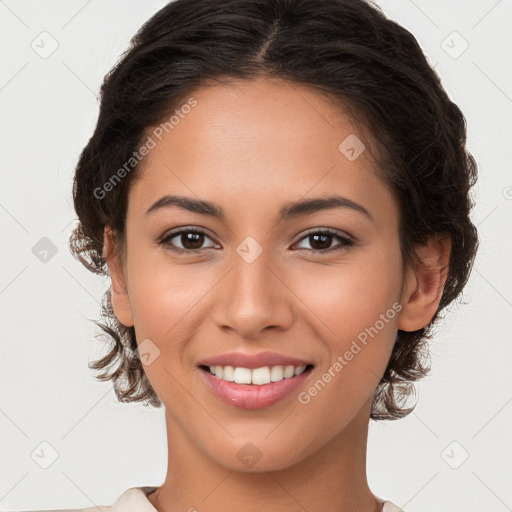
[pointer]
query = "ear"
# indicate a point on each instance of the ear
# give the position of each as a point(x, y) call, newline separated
point(425, 283)
point(118, 290)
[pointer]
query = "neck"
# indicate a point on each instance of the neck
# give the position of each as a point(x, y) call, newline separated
point(332, 478)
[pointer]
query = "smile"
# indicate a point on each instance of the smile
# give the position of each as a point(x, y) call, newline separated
point(256, 376)
point(256, 389)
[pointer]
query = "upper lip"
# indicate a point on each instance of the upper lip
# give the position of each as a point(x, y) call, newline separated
point(251, 361)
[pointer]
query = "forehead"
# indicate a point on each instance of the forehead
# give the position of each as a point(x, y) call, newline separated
point(257, 143)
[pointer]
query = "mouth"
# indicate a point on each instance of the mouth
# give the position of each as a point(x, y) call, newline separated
point(257, 376)
point(255, 388)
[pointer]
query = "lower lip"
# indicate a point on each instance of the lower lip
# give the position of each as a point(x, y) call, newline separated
point(253, 396)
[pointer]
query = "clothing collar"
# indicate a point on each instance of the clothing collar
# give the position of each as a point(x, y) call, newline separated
point(134, 499)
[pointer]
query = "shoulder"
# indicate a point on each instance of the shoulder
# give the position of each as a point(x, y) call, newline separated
point(388, 506)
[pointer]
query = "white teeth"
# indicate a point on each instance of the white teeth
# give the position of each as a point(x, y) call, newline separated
point(276, 374)
point(288, 372)
point(298, 370)
point(228, 373)
point(242, 376)
point(258, 376)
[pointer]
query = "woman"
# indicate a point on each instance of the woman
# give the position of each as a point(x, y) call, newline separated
point(279, 192)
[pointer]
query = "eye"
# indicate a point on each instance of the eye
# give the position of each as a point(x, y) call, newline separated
point(321, 240)
point(191, 240)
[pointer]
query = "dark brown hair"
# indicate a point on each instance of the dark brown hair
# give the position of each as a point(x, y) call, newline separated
point(345, 49)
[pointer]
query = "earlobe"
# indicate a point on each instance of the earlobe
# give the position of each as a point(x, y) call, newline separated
point(118, 290)
point(425, 283)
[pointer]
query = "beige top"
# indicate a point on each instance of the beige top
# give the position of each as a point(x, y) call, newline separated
point(135, 499)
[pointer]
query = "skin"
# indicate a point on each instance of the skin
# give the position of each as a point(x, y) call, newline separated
point(250, 147)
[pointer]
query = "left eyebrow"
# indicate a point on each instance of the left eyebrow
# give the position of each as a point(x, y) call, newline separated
point(287, 211)
point(307, 206)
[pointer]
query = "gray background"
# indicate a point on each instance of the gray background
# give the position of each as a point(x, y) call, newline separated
point(452, 453)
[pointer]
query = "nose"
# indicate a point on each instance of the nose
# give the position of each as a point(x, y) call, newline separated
point(253, 297)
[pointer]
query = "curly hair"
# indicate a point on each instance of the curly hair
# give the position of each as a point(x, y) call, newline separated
point(347, 50)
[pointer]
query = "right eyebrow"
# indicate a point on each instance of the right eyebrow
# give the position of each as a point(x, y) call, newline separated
point(187, 203)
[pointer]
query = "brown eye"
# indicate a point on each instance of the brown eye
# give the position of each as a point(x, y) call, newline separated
point(190, 239)
point(320, 241)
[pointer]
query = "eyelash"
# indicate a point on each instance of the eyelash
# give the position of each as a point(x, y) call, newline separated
point(345, 242)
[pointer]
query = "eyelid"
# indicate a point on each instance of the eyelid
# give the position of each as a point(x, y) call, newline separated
point(330, 231)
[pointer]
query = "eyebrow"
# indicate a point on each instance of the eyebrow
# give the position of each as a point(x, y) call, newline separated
point(287, 211)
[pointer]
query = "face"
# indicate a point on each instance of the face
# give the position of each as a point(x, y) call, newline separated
point(321, 284)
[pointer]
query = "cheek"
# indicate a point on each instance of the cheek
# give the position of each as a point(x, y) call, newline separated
point(355, 308)
point(351, 296)
point(164, 295)
point(167, 303)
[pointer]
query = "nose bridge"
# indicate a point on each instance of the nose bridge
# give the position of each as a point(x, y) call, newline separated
point(252, 297)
